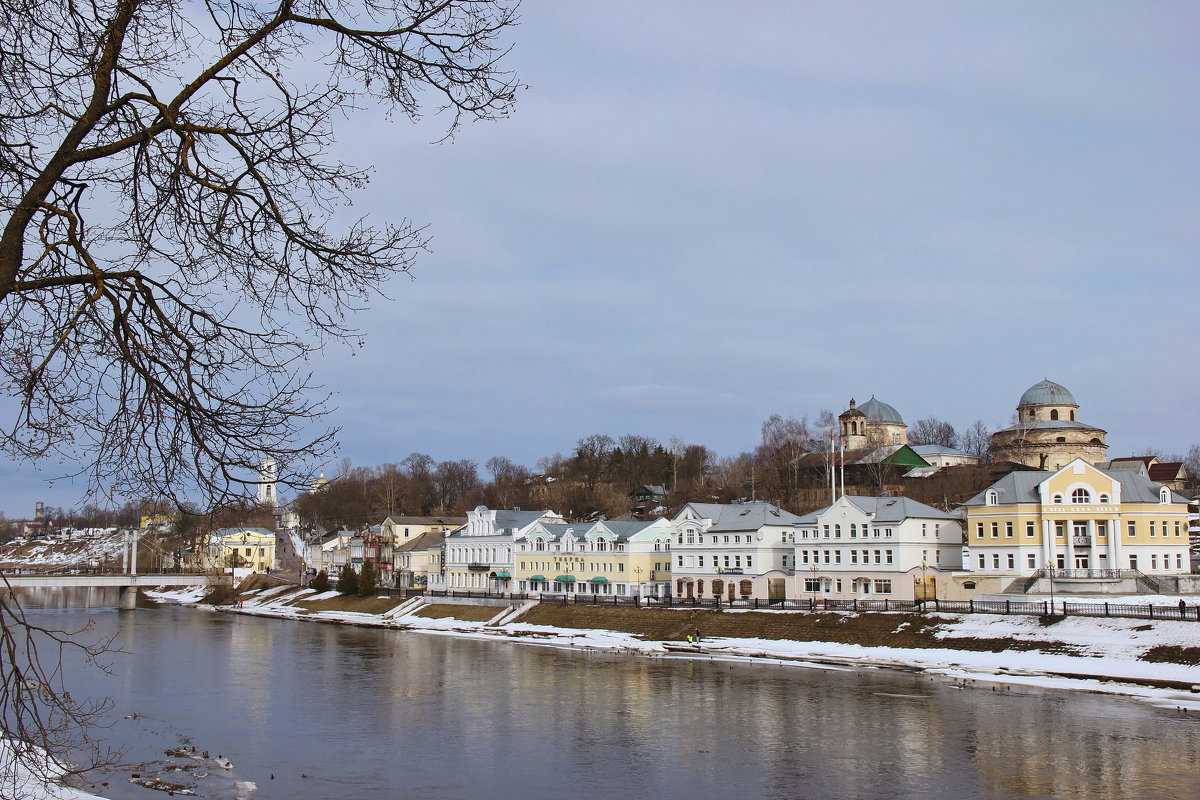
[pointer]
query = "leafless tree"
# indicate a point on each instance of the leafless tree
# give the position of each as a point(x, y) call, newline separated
point(43, 726)
point(977, 440)
point(932, 430)
point(169, 258)
point(168, 253)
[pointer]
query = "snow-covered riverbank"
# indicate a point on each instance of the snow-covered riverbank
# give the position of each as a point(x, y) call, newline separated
point(18, 781)
point(1104, 654)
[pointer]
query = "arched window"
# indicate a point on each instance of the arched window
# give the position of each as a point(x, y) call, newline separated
point(969, 584)
point(679, 587)
point(853, 530)
point(1072, 415)
point(1103, 498)
point(1054, 413)
point(717, 588)
point(1080, 496)
point(1057, 499)
point(746, 588)
point(539, 544)
point(1164, 496)
point(993, 497)
point(700, 586)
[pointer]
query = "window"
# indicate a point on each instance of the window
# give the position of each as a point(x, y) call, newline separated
point(853, 530)
point(982, 561)
point(1151, 529)
point(837, 531)
point(826, 531)
point(883, 587)
point(1103, 498)
point(1030, 529)
point(1054, 413)
point(924, 530)
point(1153, 561)
point(750, 562)
point(995, 530)
point(995, 560)
point(1060, 529)
point(701, 562)
point(681, 562)
point(1101, 528)
point(1164, 495)
point(993, 498)
point(853, 556)
point(1012, 561)
point(837, 556)
point(1177, 529)
point(812, 584)
point(1057, 499)
point(878, 556)
point(1031, 561)
point(969, 584)
point(1132, 526)
point(888, 554)
point(1081, 496)
point(979, 530)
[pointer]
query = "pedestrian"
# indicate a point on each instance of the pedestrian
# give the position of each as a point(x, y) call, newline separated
point(697, 636)
point(1182, 608)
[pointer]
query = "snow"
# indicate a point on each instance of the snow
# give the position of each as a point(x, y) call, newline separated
point(18, 781)
point(1104, 651)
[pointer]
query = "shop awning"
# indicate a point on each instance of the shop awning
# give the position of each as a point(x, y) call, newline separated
point(537, 577)
point(599, 579)
point(565, 578)
point(501, 574)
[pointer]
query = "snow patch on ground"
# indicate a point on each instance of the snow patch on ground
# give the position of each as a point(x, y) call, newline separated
point(17, 781)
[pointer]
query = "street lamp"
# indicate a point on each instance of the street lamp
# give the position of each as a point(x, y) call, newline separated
point(1050, 571)
point(815, 567)
point(924, 584)
point(637, 571)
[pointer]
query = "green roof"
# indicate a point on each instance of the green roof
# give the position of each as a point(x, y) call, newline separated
point(565, 578)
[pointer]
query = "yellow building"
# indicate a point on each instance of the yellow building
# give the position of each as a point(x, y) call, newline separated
point(1092, 523)
point(245, 550)
point(627, 558)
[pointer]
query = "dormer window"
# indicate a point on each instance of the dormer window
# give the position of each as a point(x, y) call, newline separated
point(993, 498)
point(1164, 495)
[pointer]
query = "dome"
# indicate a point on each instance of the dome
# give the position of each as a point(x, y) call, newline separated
point(1047, 392)
point(881, 412)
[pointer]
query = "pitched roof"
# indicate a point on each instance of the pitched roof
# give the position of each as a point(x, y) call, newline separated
point(885, 509)
point(421, 542)
point(743, 516)
point(1022, 487)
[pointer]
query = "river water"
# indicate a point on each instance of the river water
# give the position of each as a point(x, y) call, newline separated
point(307, 710)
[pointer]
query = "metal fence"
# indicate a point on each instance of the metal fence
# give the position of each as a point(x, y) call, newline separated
point(1039, 608)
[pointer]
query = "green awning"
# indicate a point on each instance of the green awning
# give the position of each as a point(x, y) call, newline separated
point(565, 579)
point(501, 574)
point(537, 577)
point(599, 579)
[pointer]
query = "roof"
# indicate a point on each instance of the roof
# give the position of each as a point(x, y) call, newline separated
point(878, 411)
point(1047, 392)
point(885, 509)
point(1022, 487)
point(1050, 424)
point(743, 516)
point(421, 542)
point(936, 449)
point(401, 519)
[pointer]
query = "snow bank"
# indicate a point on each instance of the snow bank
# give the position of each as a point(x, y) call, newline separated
point(17, 781)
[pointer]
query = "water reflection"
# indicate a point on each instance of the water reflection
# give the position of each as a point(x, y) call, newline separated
point(361, 709)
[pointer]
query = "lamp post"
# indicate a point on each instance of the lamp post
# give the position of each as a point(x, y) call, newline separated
point(1050, 572)
point(637, 571)
point(924, 584)
point(815, 567)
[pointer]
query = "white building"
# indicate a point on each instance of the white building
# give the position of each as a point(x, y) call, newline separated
point(479, 555)
point(863, 547)
point(736, 551)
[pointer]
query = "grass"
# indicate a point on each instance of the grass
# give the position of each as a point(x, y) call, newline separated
point(465, 613)
point(350, 602)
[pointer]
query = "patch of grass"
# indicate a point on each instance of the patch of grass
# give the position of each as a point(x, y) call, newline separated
point(1172, 654)
point(350, 602)
point(465, 613)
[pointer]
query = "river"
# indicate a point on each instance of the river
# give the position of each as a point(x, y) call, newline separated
point(307, 710)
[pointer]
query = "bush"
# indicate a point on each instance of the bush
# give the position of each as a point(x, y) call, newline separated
point(368, 579)
point(347, 580)
point(320, 582)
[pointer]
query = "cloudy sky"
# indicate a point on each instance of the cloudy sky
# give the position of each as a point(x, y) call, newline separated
point(701, 215)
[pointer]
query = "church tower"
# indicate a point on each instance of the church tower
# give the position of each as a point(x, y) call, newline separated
point(268, 494)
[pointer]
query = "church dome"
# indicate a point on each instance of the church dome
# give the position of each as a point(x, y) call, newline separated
point(881, 412)
point(1047, 392)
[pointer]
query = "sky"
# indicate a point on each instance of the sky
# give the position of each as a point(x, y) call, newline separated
point(703, 214)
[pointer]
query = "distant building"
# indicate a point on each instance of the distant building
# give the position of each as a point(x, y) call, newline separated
point(245, 550)
point(871, 425)
point(1048, 434)
point(1171, 474)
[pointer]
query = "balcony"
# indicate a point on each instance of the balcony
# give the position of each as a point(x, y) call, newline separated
point(1081, 540)
point(476, 566)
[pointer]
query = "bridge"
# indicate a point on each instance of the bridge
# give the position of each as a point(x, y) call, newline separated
point(128, 583)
